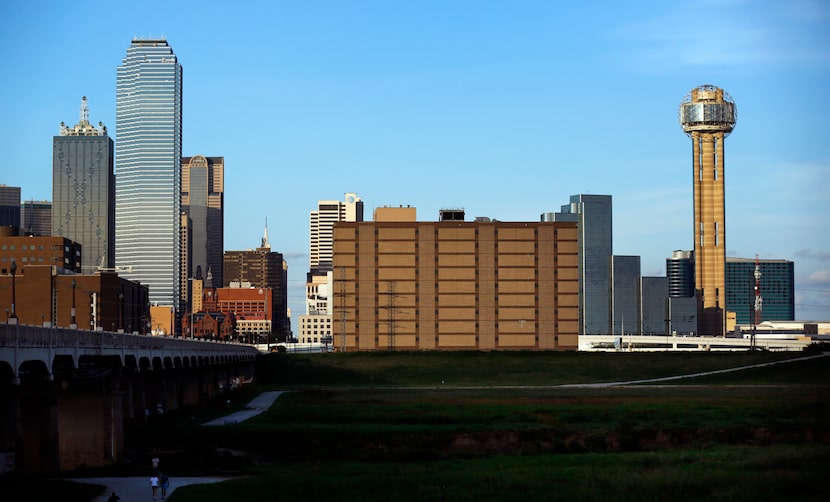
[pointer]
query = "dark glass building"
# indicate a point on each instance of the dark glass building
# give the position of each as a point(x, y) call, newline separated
point(680, 272)
point(10, 209)
point(777, 289)
point(83, 190)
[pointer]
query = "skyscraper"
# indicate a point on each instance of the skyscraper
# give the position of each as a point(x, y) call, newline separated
point(594, 217)
point(708, 115)
point(83, 190)
point(777, 289)
point(148, 121)
point(261, 268)
point(36, 218)
point(322, 223)
point(10, 209)
point(203, 192)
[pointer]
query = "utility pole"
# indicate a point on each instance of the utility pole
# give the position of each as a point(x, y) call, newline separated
point(342, 295)
point(758, 304)
point(390, 306)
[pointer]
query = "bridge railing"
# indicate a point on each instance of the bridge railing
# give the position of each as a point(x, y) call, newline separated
point(27, 336)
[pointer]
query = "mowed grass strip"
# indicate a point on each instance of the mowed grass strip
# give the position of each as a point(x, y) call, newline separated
point(497, 368)
point(721, 473)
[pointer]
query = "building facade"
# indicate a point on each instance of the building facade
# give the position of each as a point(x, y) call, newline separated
point(626, 296)
point(321, 225)
point(777, 289)
point(100, 301)
point(262, 268)
point(680, 272)
point(10, 210)
point(83, 190)
point(36, 218)
point(708, 115)
point(148, 120)
point(203, 227)
point(654, 300)
point(455, 286)
point(593, 214)
point(59, 252)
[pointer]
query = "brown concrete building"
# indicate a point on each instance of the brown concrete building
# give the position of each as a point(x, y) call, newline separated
point(455, 285)
point(251, 309)
point(101, 301)
point(58, 252)
point(263, 269)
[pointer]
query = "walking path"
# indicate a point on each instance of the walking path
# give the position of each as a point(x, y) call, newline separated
point(138, 488)
point(255, 407)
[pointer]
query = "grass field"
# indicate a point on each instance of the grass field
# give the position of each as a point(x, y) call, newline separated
point(501, 426)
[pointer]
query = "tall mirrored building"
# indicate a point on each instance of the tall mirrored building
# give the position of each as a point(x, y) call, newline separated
point(148, 121)
point(594, 217)
point(83, 190)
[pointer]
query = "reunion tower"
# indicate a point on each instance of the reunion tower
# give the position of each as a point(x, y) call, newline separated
point(708, 115)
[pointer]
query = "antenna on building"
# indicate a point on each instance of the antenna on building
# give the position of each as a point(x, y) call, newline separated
point(265, 243)
point(84, 111)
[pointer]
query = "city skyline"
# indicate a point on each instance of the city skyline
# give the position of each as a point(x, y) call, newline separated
point(516, 107)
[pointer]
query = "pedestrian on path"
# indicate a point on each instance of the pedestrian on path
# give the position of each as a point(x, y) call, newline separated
point(165, 482)
point(154, 485)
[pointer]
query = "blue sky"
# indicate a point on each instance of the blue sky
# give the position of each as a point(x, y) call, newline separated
point(502, 108)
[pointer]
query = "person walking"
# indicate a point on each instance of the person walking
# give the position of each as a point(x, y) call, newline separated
point(164, 481)
point(154, 485)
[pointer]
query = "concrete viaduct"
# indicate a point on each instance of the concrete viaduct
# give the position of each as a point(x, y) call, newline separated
point(65, 394)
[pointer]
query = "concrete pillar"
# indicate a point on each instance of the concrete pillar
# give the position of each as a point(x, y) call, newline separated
point(10, 423)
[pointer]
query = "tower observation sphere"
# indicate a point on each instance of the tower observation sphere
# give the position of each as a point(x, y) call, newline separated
point(708, 109)
point(707, 115)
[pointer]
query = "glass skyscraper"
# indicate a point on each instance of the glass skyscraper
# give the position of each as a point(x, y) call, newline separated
point(594, 215)
point(777, 289)
point(148, 122)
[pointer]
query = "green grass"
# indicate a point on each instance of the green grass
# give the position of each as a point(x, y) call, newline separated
point(497, 368)
point(383, 426)
point(722, 473)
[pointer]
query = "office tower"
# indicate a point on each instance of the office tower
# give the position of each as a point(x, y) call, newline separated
point(203, 192)
point(681, 313)
point(10, 209)
point(593, 215)
point(707, 115)
point(36, 218)
point(316, 324)
point(148, 121)
point(625, 295)
point(83, 190)
point(261, 268)
point(455, 285)
point(654, 298)
point(777, 289)
point(680, 271)
point(322, 222)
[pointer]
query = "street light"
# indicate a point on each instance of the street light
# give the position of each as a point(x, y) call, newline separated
point(121, 310)
point(13, 317)
point(72, 322)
